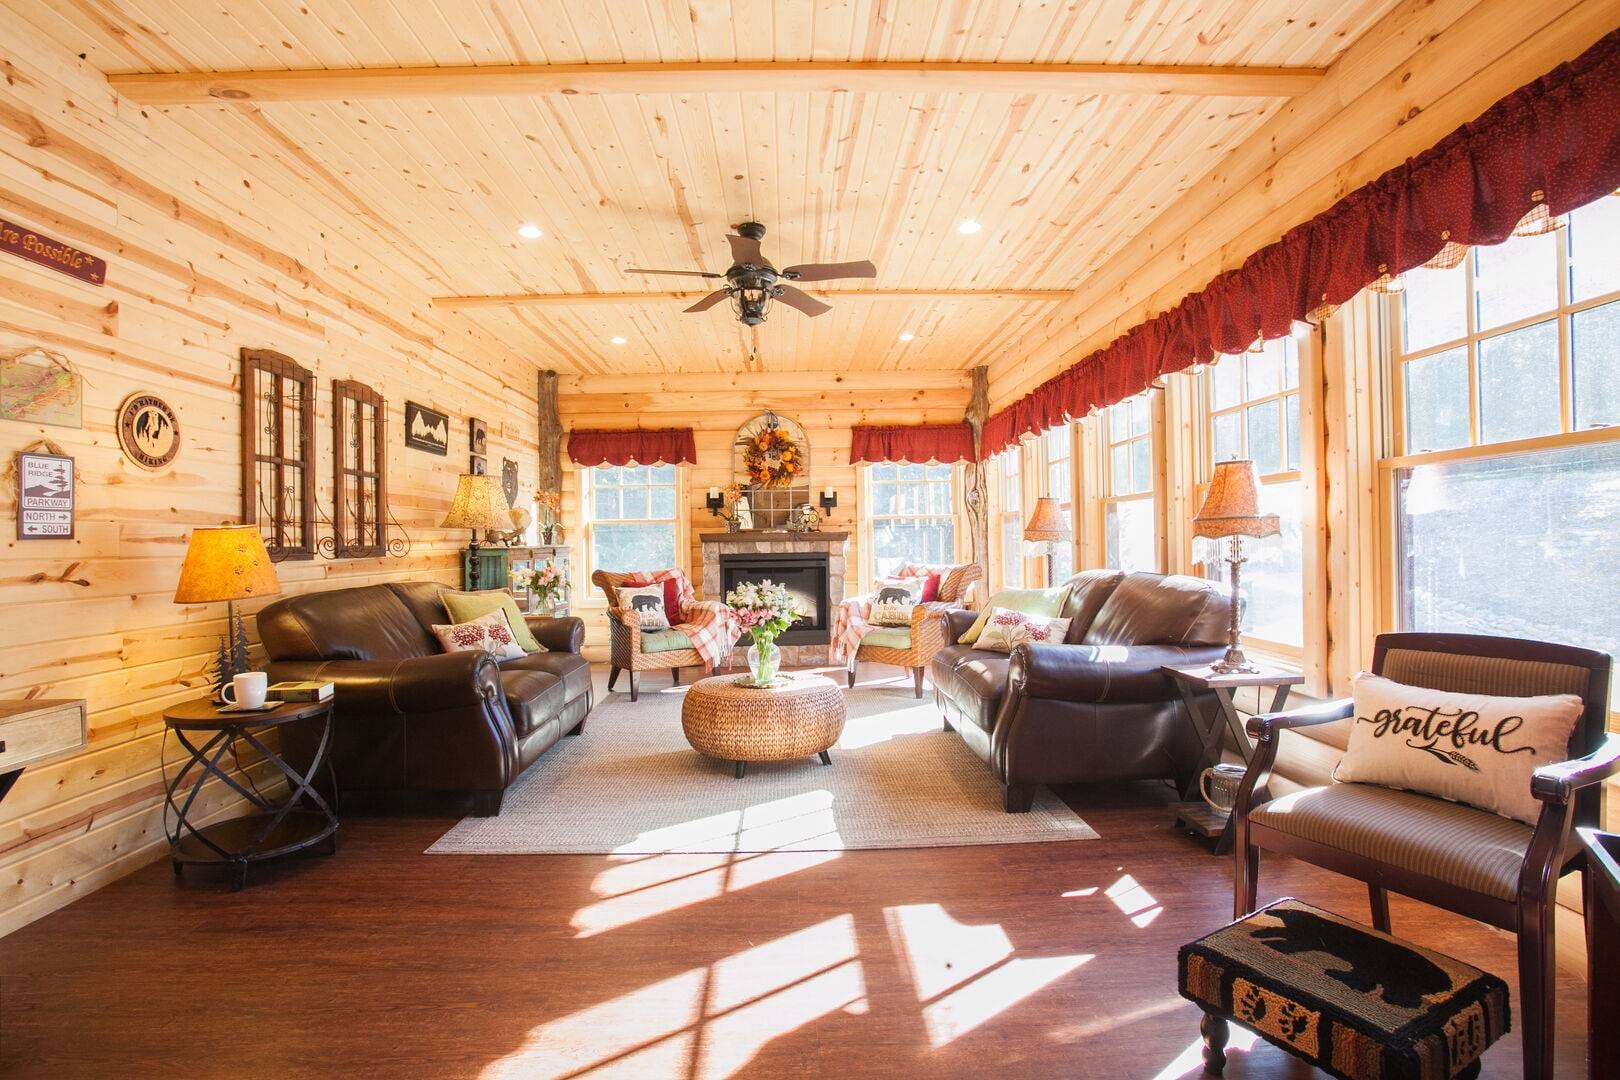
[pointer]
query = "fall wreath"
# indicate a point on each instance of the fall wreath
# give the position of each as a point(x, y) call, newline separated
point(772, 458)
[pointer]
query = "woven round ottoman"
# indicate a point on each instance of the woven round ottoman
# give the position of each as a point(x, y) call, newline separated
point(801, 716)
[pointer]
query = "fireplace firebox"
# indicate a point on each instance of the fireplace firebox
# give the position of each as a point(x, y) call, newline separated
point(804, 574)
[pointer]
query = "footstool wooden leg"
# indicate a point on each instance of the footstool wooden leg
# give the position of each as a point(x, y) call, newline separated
point(1215, 1034)
point(825, 760)
point(675, 676)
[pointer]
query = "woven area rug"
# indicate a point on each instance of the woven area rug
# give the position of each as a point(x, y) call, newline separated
point(630, 784)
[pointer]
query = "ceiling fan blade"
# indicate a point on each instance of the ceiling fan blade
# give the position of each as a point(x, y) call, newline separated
point(675, 273)
point(709, 301)
point(828, 271)
point(803, 301)
point(745, 249)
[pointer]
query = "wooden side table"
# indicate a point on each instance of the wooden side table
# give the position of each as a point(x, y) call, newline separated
point(32, 731)
point(1193, 812)
point(1602, 951)
point(298, 823)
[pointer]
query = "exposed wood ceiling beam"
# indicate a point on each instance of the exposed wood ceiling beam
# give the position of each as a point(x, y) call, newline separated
point(196, 88)
point(581, 299)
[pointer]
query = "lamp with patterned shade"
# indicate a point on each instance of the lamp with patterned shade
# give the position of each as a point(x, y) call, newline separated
point(1047, 527)
point(1231, 511)
point(480, 505)
point(229, 563)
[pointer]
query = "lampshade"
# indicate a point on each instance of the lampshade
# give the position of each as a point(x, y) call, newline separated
point(480, 503)
point(1232, 504)
point(227, 562)
point(1047, 524)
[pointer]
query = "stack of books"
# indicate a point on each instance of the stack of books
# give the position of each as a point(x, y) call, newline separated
point(301, 690)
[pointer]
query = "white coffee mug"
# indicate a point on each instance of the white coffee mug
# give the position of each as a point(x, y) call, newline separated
point(246, 690)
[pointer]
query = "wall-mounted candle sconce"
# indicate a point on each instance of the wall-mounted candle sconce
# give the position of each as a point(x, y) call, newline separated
point(829, 501)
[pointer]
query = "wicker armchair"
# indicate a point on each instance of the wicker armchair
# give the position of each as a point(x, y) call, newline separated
point(635, 650)
point(913, 647)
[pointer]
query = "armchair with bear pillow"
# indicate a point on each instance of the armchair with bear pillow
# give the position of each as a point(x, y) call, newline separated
point(903, 621)
point(657, 623)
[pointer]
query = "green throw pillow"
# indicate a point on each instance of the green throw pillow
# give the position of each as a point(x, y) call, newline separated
point(467, 606)
point(1047, 603)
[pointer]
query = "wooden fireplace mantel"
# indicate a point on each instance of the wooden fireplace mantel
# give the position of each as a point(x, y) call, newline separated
point(772, 536)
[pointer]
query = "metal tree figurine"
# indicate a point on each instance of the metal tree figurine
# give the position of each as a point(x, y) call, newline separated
point(239, 646)
point(222, 669)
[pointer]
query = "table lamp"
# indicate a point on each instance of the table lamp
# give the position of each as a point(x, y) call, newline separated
point(480, 505)
point(1231, 511)
point(1046, 528)
point(229, 563)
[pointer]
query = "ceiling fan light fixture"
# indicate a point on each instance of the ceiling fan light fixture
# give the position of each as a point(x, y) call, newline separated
point(967, 226)
point(530, 231)
point(752, 304)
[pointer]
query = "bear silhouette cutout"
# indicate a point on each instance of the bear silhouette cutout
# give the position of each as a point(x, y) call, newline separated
point(1402, 977)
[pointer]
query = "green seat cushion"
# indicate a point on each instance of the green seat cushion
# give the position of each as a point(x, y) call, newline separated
point(467, 606)
point(1046, 603)
point(889, 637)
point(664, 640)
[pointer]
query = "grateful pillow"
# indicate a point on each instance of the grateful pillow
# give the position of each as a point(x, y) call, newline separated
point(1467, 748)
point(491, 632)
point(647, 601)
point(1005, 630)
point(894, 601)
point(467, 606)
point(1046, 603)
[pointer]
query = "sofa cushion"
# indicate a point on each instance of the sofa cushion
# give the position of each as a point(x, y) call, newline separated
point(1088, 590)
point(574, 670)
point(889, 637)
point(664, 641)
point(1161, 609)
point(370, 622)
point(532, 697)
point(975, 680)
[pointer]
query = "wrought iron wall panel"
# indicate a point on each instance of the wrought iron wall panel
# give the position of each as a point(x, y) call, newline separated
point(359, 472)
point(278, 452)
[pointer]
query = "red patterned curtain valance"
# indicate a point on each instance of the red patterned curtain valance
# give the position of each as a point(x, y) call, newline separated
point(1554, 143)
point(644, 446)
point(945, 443)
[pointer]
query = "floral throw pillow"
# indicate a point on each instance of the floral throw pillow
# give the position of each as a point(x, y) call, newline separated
point(491, 632)
point(647, 601)
point(1004, 630)
point(894, 601)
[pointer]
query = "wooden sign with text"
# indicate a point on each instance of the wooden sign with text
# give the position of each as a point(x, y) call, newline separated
point(25, 243)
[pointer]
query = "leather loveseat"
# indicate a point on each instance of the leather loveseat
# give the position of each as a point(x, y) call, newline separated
point(411, 718)
point(1096, 707)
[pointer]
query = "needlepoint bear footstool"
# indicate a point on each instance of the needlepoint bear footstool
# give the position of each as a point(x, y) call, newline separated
point(1355, 1003)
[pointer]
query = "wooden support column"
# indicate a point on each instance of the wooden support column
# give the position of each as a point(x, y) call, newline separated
point(548, 476)
point(977, 498)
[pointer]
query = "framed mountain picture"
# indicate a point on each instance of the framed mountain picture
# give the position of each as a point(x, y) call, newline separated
point(426, 429)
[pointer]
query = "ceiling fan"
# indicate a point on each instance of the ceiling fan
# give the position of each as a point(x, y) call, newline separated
point(753, 283)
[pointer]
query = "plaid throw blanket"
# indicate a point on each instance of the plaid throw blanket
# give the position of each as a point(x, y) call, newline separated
point(849, 625)
point(710, 624)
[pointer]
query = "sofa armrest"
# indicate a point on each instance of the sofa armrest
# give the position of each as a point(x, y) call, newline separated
point(1093, 674)
point(416, 685)
point(957, 622)
point(565, 634)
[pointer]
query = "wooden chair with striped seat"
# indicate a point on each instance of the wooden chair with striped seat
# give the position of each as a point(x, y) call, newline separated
point(1474, 862)
point(634, 650)
point(913, 647)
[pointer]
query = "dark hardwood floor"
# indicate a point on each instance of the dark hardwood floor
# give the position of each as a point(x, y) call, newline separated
point(1038, 960)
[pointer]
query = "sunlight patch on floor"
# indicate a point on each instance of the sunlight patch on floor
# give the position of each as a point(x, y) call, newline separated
point(1134, 900)
point(1190, 1062)
point(680, 881)
point(873, 728)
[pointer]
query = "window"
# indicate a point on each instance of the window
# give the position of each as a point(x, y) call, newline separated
point(1009, 465)
point(1252, 404)
point(1057, 451)
point(912, 515)
point(1130, 528)
point(631, 516)
point(1505, 398)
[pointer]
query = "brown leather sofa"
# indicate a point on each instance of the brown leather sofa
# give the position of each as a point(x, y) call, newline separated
point(1096, 707)
point(410, 718)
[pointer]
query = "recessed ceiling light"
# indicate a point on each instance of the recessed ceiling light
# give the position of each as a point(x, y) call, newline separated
point(907, 336)
point(617, 340)
point(530, 232)
point(968, 227)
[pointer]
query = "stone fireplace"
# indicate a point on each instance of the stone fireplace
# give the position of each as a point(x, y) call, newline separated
point(812, 565)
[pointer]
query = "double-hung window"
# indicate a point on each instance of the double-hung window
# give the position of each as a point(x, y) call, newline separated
point(630, 517)
point(1505, 401)
point(1010, 516)
point(912, 517)
point(1057, 458)
point(1130, 527)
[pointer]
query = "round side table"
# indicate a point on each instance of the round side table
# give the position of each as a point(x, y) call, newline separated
point(275, 829)
point(800, 716)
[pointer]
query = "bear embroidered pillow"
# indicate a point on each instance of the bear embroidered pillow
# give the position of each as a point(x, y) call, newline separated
point(1004, 630)
point(1468, 748)
point(895, 598)
point(491, 632)
point(647, 601)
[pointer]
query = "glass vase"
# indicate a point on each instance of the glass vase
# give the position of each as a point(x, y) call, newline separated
point(763, 662)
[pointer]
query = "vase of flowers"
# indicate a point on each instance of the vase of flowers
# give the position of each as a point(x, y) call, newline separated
point(545, 585)
point(764, 610)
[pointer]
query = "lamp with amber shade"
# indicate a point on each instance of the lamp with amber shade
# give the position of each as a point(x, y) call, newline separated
point(480, 505)
point(1046, 528)
point(229, 563)
point(1230, 512)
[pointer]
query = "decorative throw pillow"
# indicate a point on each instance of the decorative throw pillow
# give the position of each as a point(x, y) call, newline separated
point(491, 632)
point(467, 606)
point(894, 601)
point(1467, 748)
point(647, 601)
point(930, 591)
point(1004, 630)
point(1046, 603)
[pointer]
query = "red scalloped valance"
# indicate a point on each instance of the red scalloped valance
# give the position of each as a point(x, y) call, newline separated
point(1554, 143)
point(644, 446)
point(944, 443)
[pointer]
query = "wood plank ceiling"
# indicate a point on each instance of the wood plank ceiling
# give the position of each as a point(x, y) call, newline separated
point(1060, 182)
